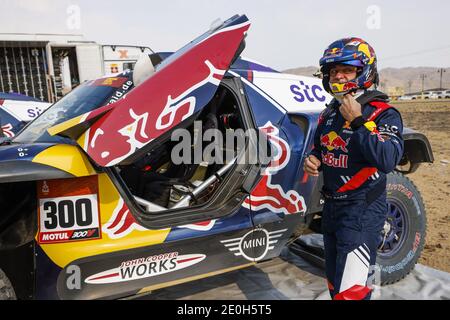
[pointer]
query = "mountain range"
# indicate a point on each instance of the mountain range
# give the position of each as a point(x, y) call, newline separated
point(409, 79)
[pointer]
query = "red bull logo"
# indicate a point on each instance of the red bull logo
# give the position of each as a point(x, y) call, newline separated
point(372, 127)
point(272, 196)
point(343, 87)
point(334, 51)
point(332, 141)
point(337, 162)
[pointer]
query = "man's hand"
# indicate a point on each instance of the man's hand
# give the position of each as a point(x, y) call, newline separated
point(350, 108)
point(311, 166)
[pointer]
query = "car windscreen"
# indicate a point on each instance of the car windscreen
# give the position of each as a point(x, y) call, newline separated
point(87, 97)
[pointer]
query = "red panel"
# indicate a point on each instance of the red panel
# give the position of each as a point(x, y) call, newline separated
point(354, 293)
point(164, 100)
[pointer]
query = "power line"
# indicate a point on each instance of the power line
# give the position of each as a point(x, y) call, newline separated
point(415, 53)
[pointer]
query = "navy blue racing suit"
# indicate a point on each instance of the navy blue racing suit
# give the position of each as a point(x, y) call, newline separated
point(355, 160)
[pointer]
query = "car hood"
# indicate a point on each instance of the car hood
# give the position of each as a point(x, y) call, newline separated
point(181, 87)
point(40, 161)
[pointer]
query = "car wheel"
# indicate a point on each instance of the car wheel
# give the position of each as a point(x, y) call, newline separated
point(6, 289)
point(403, 237)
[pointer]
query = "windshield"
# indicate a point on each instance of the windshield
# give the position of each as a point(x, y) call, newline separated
point(87, 97)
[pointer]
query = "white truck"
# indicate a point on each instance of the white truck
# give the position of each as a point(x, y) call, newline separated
point(47, 66)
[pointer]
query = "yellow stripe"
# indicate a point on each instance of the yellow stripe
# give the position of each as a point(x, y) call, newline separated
point(67, 158)
point(82, 140)
point(65, 125)
point(370, 125)
point(184, 280)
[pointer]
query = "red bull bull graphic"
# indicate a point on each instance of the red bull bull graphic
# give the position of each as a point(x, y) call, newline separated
point(343, 87)
point(183, 105)
point(332, 141)
point(173, 93)
point(121, 222)
point(335, 50)
point(272, 196)
point(372, 127)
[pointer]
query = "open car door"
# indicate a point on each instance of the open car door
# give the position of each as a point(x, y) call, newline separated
point(181, 86)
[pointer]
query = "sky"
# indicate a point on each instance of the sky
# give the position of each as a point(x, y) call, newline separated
point(284, 34)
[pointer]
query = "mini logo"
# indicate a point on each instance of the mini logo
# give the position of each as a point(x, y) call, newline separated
point(255, 244)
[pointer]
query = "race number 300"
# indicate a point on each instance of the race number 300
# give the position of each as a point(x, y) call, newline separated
point(65, 219)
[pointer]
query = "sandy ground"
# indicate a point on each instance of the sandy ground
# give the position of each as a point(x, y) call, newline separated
point(433, 180)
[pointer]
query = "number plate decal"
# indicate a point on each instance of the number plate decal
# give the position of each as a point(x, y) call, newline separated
point(68, 210)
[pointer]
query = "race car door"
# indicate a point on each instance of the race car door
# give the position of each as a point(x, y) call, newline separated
point(181, 86)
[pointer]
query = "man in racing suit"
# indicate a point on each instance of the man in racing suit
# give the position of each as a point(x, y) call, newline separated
point(358, 141)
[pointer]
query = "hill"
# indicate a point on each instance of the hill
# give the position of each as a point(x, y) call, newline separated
point(407, 78)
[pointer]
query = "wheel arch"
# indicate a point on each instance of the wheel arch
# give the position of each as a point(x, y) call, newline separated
point(417, 149)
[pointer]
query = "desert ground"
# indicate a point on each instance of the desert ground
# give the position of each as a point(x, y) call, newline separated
point(432, 117)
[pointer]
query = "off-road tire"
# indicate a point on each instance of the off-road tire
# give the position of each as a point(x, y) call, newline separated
point(6, 289)
point(403, 192)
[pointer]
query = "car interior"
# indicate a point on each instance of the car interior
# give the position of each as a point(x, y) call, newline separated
point(158, 184)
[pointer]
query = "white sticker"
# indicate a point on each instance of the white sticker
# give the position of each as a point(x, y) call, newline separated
point(71, 218)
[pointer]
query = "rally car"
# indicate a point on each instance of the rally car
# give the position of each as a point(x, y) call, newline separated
point(16, 110)
point(94, 206)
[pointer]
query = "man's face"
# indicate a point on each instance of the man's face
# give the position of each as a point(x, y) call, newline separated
point(342, 73)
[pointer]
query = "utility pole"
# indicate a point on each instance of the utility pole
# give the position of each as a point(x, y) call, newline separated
point(441, 70)
point(422, 76)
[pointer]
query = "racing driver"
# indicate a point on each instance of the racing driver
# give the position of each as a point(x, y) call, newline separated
point(357, 143)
